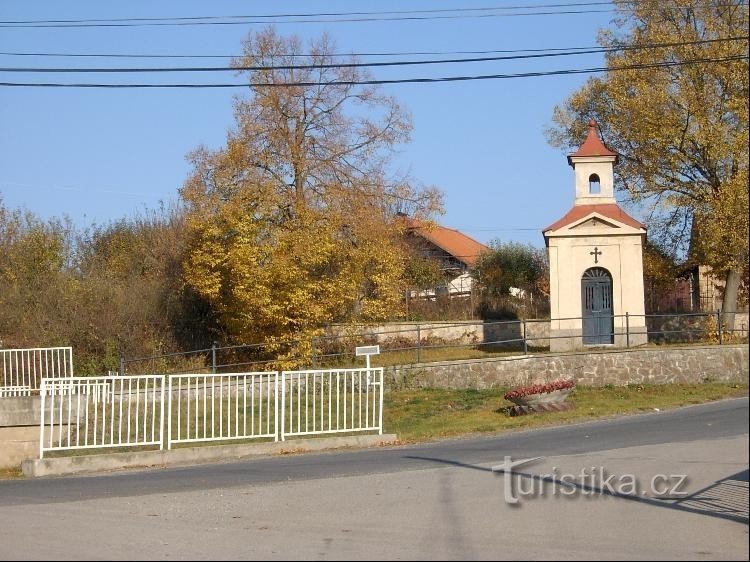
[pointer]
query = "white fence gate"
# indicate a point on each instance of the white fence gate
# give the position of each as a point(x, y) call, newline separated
point(23, 369)
point(160, 411)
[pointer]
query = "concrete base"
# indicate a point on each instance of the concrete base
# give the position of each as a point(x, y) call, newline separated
point(19, 429)
point(565, 340)
point(20, 410)
point(192, 455)
point(571, 340)
point(18, 443)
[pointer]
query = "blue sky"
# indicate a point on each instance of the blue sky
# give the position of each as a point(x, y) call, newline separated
point(98, 155)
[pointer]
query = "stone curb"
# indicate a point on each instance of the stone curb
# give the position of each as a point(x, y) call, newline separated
point(82, 464)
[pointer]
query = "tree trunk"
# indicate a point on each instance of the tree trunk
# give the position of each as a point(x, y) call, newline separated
point(729, 300)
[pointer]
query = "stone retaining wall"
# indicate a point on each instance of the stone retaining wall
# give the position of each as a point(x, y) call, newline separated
point(618, 367)
point(663, 328)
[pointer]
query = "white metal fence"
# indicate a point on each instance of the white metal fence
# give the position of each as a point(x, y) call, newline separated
point(96, 412)
point(23, 369)
point(161, 411)
point(331, 401)
point(220, 407)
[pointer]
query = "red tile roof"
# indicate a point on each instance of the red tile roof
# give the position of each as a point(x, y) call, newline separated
point(610, 210)
point(459, 245)
point(593, 145)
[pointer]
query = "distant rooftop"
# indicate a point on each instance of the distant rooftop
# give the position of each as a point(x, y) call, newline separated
point(462, 247)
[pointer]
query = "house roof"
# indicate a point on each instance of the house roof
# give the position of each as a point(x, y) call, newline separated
point(457, 244)
point(610, 210)
point(592, 146)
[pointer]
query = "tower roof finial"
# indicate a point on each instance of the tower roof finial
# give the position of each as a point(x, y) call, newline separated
point(592, 146)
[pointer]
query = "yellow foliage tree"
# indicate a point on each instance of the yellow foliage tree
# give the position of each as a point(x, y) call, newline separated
point(674, 105)
point(292, 222)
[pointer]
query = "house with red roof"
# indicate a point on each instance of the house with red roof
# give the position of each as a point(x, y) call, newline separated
point(456, 252)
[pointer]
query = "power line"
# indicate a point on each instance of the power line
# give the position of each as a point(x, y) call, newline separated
point(295, 55)
point(322, 14)
point(365, 64)
point(393, 81)
point(337, 17)
point(332, 17)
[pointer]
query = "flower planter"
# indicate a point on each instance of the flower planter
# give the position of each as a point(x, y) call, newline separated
point(549, 397)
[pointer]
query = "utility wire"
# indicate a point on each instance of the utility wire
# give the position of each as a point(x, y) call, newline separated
point(335, 17)
point(324, 14)
point(330, 17)
point(295, 55)
point(338, 17)
point(363, 64)
point(393, 81)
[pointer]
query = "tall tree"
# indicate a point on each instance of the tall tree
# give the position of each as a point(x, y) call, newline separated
point(674, 105)
point(292, 221)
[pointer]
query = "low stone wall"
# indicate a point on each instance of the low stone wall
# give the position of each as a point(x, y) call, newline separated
point(662, 328)
point(618, 367)
point(508, 333)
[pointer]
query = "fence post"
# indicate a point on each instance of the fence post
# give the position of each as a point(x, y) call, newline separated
point(380, 414)
point(312, 352)
point(718, 324)
point(42, 406)
point(213, 358)
point(168, 420)
point(525, 343)
point(276, 406)
point(122, 365)
point(282, 411)
point(419, 345)
point(627, 330)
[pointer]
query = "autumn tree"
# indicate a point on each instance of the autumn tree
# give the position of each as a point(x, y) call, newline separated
point(130, 295)
point(674, 105)
point(293, 220)
point(511, 265)
point(35, 285)
point(660, 278)
point(102, 289)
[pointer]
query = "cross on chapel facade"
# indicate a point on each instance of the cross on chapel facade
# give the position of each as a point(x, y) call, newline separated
point(596, 260)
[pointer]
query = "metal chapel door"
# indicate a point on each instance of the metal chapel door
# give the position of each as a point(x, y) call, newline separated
point(596, 298)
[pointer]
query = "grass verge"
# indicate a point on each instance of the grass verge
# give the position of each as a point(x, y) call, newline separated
point(427, 414)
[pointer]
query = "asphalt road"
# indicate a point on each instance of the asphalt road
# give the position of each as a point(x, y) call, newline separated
point(439, 500)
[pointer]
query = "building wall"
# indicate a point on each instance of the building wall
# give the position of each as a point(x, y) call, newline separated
point(570, 256)
point(602, 167)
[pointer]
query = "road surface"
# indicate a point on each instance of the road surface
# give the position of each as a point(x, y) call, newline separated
point(596, 492)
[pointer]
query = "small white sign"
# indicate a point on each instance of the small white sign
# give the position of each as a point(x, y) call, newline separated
point(367, 350)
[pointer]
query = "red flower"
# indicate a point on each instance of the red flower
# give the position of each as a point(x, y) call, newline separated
point(539, 389)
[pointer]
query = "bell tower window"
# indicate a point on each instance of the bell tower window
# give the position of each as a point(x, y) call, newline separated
point(595, 186)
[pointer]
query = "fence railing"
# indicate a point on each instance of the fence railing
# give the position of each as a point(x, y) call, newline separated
point(160, 411)
point(97, 412)
point(23, 369)
point(420, 343)
point(208, 407)
point(331, 401)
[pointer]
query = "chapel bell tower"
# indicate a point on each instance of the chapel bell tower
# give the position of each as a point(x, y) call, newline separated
point(596, 260)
